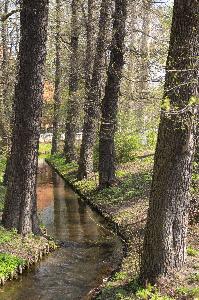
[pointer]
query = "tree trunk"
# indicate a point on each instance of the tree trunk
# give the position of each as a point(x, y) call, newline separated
point(90, 43)
point(57, 93)
point(166, 228)
point(92, 105)
point(4, 101)
point(73, 103)
point(144, 75)
point(110, 100)
point(20, 206)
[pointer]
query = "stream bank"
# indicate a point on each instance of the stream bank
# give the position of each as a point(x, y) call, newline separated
point(125, 206)
point(89, 250)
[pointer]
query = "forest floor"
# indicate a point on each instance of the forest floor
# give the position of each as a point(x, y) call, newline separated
point(18, 253)
point(126, 205)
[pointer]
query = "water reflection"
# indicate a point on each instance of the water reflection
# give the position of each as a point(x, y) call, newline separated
point(72, 271)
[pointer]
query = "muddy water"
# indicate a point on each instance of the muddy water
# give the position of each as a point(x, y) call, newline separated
point(89, 253)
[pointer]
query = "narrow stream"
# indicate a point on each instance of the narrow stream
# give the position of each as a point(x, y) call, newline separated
point(89, 254)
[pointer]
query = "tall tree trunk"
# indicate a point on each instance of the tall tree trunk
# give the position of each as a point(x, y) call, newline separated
point(57, 92)
point(4, 102)
point(144, 50)
point(144, 76)
point(110, 100)
point(90, 43)
point(73, 101)
point(20, 206)
point(166, 228)
point(92, 105)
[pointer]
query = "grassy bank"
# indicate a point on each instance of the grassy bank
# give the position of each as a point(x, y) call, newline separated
point(17, 253)
point(126, 205)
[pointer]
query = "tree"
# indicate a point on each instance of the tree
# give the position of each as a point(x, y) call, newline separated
point(57, 92)
point(92, 104)
point(73, 102)
point(90, 42)
point(4, 101)
point(20, 210)
point(166, 229)
point(110, 100)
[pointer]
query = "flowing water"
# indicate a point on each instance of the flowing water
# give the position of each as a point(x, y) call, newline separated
point(90, 250)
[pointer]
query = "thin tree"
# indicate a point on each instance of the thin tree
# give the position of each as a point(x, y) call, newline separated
point(73, 101)
point(92, 104)
point(90, 42)
point(166, 229)
point(4, 101)
point(110, 100)
point(20, 210)
point(57, 92)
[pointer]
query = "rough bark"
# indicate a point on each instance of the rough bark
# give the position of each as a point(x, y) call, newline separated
point(166, 229)
point(110, 100)
point(73, 102)
point(20, 205)
point(92, 104)
point(57, 92)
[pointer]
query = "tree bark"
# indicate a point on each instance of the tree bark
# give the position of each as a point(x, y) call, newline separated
point(110, 100)
point(4, 102)
point(92, 104)
point(73, 103)
point(20, 210)
point(166, 229)
point(57, 92)
point(90, 42)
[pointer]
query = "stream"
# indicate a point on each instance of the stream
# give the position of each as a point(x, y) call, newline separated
point(90, 250)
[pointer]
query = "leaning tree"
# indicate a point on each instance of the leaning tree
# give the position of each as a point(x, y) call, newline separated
point(166, 229)
point(20, 206)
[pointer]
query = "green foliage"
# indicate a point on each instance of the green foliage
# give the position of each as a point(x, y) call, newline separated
point(86, 186)
point(151, 139)
point(166, 104)
point(2, 167)
point(192, 252)
point(9, 263)
point(188, 292)
point(44, 150)
point(127, 145)
point(7, 236)
point(151, 293)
